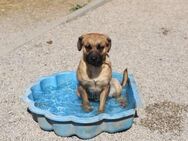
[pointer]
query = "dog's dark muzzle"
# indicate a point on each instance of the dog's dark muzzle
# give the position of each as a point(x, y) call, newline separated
point(94, 59)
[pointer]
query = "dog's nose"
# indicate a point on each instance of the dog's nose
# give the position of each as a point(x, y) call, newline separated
point(93, 58)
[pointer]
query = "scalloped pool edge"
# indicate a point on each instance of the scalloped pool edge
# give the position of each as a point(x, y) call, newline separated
point(82, 127)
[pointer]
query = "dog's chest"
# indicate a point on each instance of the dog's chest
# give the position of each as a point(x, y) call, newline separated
point(94, 92)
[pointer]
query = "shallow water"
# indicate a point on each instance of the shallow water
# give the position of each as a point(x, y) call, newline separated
point(64, 101)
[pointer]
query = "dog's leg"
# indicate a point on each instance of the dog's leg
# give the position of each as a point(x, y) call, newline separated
point(85, 102)
point(120, 99)
point(103, 97)
point(117, 93)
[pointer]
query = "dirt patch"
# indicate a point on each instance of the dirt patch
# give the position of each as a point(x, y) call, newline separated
point(164, 117)
point(49, 42)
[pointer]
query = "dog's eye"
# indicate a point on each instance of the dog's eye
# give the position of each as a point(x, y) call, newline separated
point(100, 48)
point(88, 47)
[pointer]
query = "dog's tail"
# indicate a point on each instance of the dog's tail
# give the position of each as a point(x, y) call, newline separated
point(125, 78)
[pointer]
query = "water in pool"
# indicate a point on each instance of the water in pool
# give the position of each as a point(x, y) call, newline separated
point(63, 101)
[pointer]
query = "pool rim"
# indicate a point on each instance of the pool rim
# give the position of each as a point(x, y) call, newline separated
point(75, 119)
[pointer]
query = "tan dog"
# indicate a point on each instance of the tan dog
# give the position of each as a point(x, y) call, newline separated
point(94, 72)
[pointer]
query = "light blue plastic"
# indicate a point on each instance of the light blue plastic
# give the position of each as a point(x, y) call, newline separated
point(51, 98)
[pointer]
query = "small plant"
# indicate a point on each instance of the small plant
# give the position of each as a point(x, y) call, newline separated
point(76, 7)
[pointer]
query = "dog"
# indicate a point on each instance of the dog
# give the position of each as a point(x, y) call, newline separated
point(94, 72)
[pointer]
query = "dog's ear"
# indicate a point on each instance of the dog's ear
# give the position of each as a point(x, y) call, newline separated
point(109, 44)
point(79, 43)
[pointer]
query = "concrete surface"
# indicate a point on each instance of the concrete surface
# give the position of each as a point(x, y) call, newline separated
point(150, 37)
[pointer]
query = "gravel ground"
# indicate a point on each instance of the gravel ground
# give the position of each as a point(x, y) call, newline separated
point(149, 37)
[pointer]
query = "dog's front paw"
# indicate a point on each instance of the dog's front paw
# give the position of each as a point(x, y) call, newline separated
point(100, 111)
point(87, 107)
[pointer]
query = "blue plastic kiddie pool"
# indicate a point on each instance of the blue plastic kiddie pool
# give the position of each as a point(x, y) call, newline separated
point(54, 104)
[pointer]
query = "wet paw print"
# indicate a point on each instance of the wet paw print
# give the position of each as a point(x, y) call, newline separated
point(165, 31)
